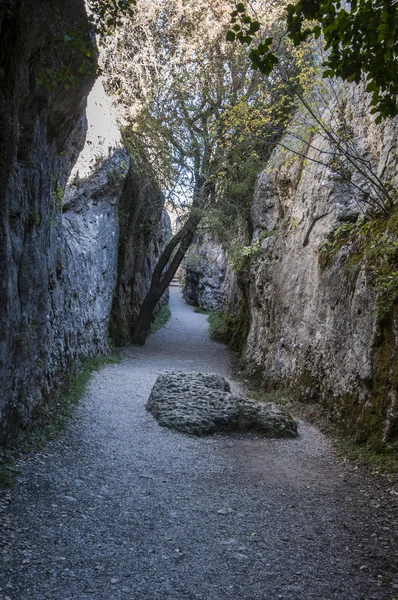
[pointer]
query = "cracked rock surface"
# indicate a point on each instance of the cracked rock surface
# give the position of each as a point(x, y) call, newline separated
point(119, 508)
point(201, 403)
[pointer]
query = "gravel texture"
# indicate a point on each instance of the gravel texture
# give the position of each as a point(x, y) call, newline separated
point(202, 403)
point(119, 508)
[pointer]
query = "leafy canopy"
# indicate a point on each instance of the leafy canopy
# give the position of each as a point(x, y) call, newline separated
point(106, 15)
point(191, 102)
point(361, 37)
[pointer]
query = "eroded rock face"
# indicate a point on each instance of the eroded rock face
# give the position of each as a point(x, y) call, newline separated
point(58, 230)
point(211, 283)
point(42, 133)
point(204, 275)
point(91, 229)
point(145, 228)
point(199, 404)
point(316, 328)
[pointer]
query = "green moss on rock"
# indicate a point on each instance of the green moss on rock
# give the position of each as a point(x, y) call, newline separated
point(374, 244)
point(230, 329)
point(377, 418)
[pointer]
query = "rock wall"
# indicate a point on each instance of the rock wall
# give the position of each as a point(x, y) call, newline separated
point(211, 283)
point(42, 133)
point(316, 328)
point(61, 178)
point(82, 299)
point(144, 229)
point(205, 268)
point(313, 326)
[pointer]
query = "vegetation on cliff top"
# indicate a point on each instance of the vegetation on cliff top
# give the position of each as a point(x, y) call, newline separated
point(361, 36)
point(374, 244)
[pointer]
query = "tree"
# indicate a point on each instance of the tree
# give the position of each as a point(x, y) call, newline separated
point(361, 38)
point(106, 15)
point(188, 97)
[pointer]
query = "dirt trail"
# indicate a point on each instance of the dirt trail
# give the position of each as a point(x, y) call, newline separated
point(120, 509)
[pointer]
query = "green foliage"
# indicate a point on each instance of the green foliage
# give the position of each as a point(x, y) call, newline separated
point(107, 15)
point(161, 318)
point(193, 106)
point(361, 38)
point(217, 331)
point(375, 243)
point(244, 29)
point(228, 219)
point(253, 127)
point(8, 470)
point(123, 168)
point(192, 258)
point(374, 414)
point(378, 241)
point(74, 50)
point(241, 256)
point(57, 195)
point(73, 61)
point(34, 218)
point(229, 329)
point(117, 173)
point(50, 420)
point(382, 458)
point(336, 239)
point(368, 428)
point(202, 311)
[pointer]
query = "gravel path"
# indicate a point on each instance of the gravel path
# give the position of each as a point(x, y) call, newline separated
point(120, 508)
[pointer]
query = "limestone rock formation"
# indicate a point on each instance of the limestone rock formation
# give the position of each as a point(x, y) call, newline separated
point(210, 282)
point(59, 223)
point(42, 133)
point(200, 404)
point(204, 275)
point(314, 327)
point(311, 327)
point(91, 228)
point(144, 230)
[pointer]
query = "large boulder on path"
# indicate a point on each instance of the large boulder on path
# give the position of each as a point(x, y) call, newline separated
point(202, 403)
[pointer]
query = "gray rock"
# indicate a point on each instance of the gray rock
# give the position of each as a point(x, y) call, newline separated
point(204, 275)
point(198, 404)
point(61, 177)
point(314, 328)
point(44, 329)
point(145, 228)
point(311, 328)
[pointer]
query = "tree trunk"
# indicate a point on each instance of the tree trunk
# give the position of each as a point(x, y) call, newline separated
point(144, 320)
point(162, 276)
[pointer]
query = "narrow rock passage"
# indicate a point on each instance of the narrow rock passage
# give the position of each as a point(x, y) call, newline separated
point(120, 508)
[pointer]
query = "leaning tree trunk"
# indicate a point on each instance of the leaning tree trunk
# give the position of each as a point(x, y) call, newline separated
point(162, 276)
